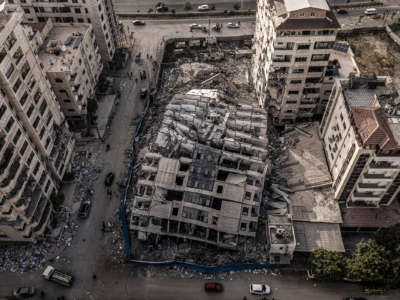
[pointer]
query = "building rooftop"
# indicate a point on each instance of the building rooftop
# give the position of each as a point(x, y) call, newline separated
point(329, 22)
point(292, 5)
point(311, 236)
point(61, 46)
point(385, 216)
point(303, 162)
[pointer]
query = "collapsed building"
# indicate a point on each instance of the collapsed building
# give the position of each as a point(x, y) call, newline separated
point(202, 178)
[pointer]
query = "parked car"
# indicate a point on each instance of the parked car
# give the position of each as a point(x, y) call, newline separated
point(370, 11)
point(233, 25)
point(341, 11)
point(354, 298)
point(109, 179)
point(162, 8)
point(196, 26)
point(259, 289)
point(84, 209)
point(214, 287)
point(24, 292)
point(143, 93)
point(204, 7)
point(138, 22)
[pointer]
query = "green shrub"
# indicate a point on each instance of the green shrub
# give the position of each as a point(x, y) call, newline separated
point(236, 6)
point(188, 5)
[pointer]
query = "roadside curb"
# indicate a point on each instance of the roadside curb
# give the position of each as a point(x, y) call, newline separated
point(185, 15)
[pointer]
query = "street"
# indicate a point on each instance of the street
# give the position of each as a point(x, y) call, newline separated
point(88, 253)
point(129, 6)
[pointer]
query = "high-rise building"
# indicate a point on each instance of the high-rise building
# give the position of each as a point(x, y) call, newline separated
point(35, 142)
point(73, 65)
point(99, 13)
point(293, 43)
point(360, 131)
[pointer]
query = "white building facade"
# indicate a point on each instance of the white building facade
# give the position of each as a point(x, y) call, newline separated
point(99, 13)
point(293, 42)
point(35, 142)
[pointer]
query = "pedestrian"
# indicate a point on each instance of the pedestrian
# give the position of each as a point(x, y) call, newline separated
point(94, 276)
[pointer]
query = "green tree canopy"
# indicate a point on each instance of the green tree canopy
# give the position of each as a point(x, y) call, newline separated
point(371, 262)
point(390, 238)
point(327, 265)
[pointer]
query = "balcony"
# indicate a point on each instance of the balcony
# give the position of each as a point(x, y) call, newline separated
point(360, 204)
point(370, 186)
point(5, 160)
point(365, 196)
point(383, 165)
point(377, 176)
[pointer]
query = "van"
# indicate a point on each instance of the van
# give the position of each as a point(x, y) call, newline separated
point(370, 11)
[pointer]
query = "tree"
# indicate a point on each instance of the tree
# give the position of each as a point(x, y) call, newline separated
point(236, 6)
point(390, 238)
point(188, 5)
point(212, 6)
point(370, 263)
point(327, 265)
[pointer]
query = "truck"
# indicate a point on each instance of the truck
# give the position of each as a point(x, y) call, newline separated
point(51, 274)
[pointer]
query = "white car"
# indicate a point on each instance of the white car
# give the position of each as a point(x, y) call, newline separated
point(370, 11)
point(204, 7)
point(233, 25)
point(196, 26)
point(259, 289)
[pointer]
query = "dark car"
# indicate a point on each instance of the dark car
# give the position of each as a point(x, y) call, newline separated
point(341, 11)
point(214, 287)
point(24, 292)
point(109, 179)
point(143, 93)
point(354, 298)
point(84, 209)
point(138, 22)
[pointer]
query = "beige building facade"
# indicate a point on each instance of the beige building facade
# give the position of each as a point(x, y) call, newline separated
point(292, 64)
point(72, 63)
point(35, 142)
point(99, 13)
point(360, 131)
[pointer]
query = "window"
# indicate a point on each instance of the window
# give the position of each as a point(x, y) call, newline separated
point(293, 92)
point(302, 14)
point(10, 41)
point(29, 161)
point(47, 142)
point(10, 71)
point(59, 80)
point(67, 101)
point(36, 168)
point(30, 110)
point(41, 134)
point(214, 220)
point(23, 148)
point(3, 109)
point(27, 11)
point(243, 226)
point(300, 59)
point(43, 107)
point(80, 20)
point(295, 81)
point(36, 123)
point(18, 56)
point(74, 1)
point(303, 46)
point(17, 136)
point(23, 99)
point(86, 11)
point(37, 96)
point(80, 61)
point(220, 189)
point(9, 124)
point(89, 21)
point(77, 10)
point(320, 57)
point(32, 84)
point(175, 211)
point(16, 86)
point(25, 70)
point(312, 14)
point(3, 54)
point(298, 71)
point(315, 69)
point(71, 110)
point(49, 117)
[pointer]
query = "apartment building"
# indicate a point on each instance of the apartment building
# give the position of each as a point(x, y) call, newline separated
point(205, 181)
point(360, 131)
point(35, 142)
point(72, 64)
point(293, 44)
point(99, 13)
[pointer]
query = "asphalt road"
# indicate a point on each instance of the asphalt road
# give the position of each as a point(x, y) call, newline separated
point(132, 6)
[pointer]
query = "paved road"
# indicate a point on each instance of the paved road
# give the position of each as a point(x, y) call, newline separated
point(132, 6)
point(88, 254)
